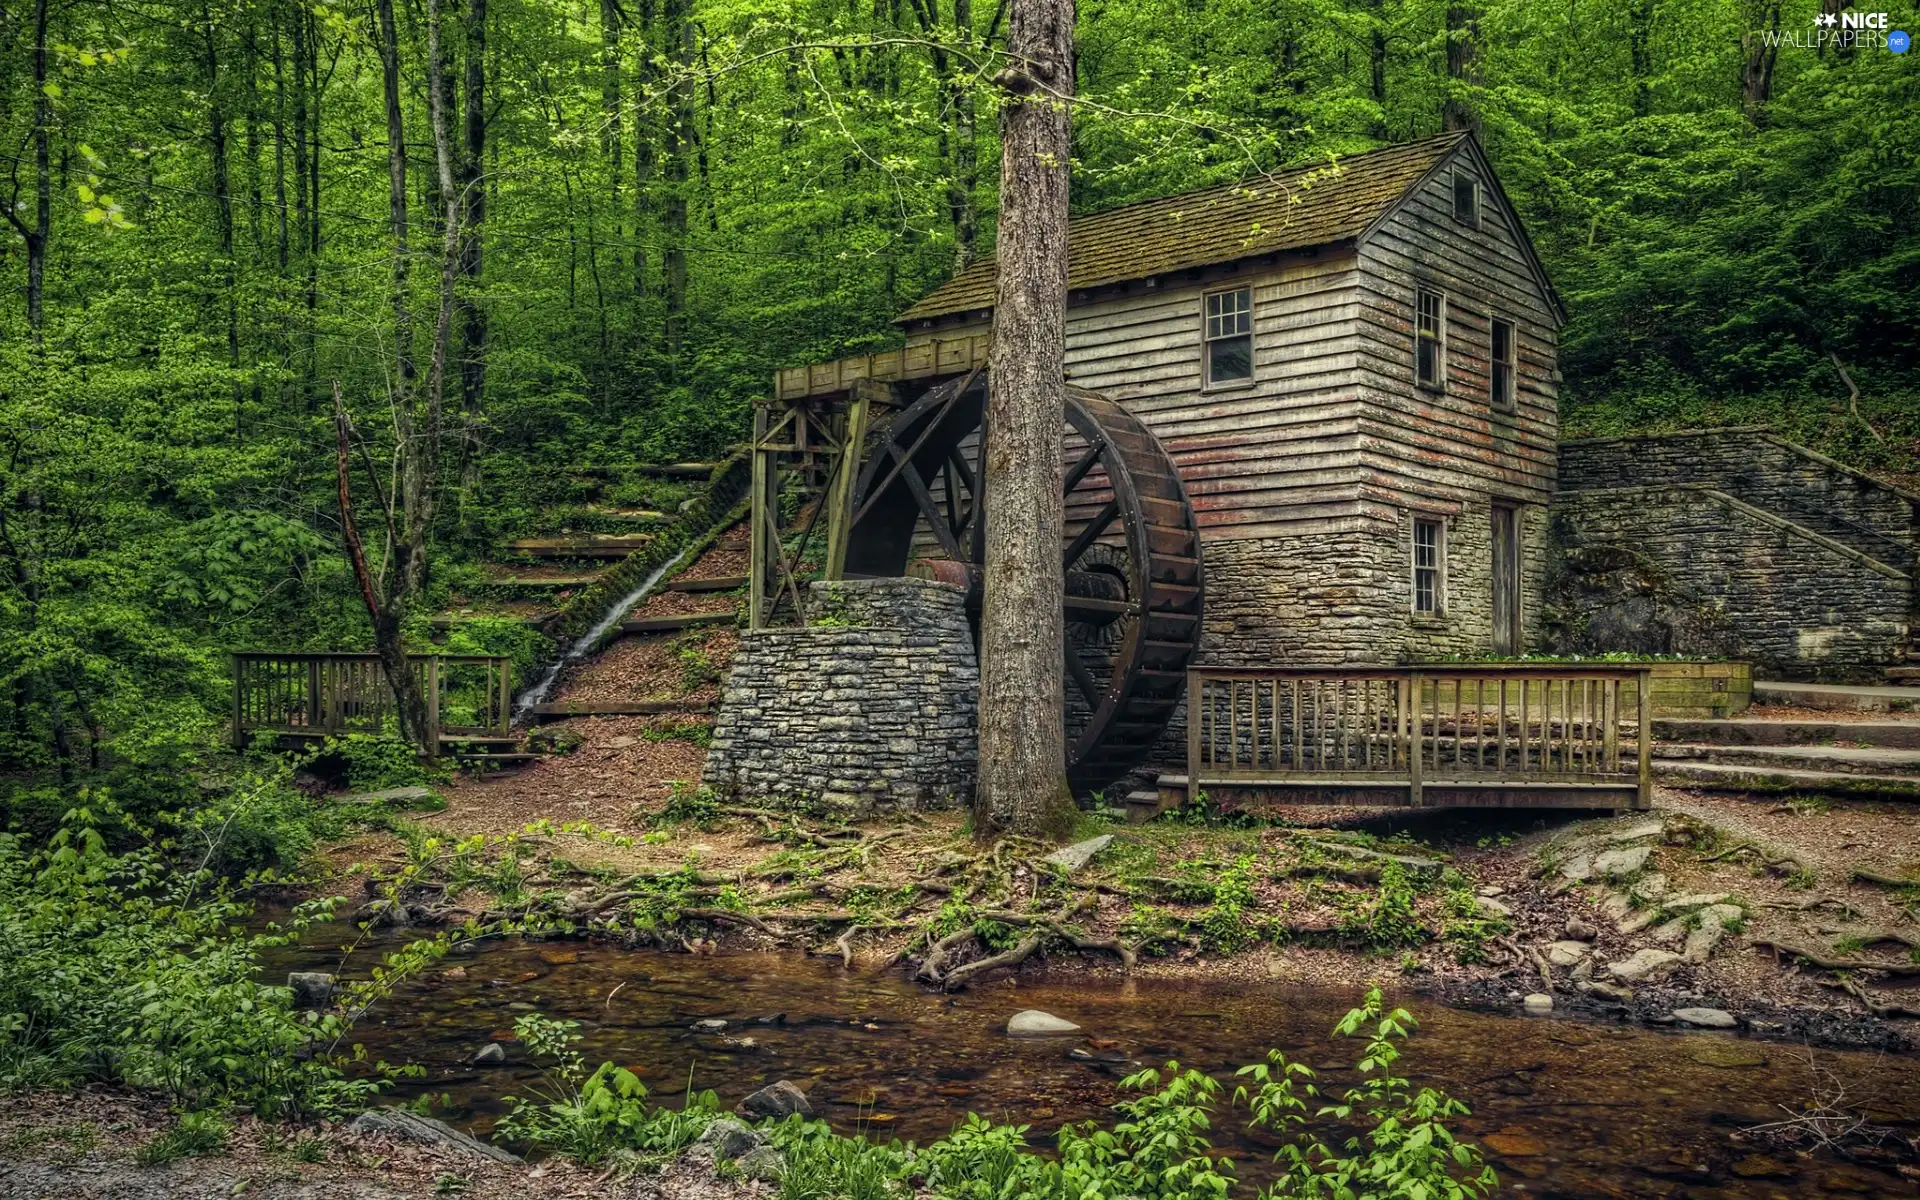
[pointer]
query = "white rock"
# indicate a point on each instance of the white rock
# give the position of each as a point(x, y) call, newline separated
point(1537, 1004)
point(1688, 903)
point(1673, 933)
point(1034, 1023)
point(1078, 855)
point(1644, 965)
point(1634, 833)
point(1578, 868)
point(1706, 1018)
point(1714, 922)
point(1649, 887)
point(1487, 908)
point(1565, 954)
point(1640, 920)
point(1618, 864)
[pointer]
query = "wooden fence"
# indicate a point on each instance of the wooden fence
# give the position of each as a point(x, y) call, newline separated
point(1502, 735)
point(315, 696)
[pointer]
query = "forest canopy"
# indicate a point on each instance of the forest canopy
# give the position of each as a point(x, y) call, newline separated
point(607, 223)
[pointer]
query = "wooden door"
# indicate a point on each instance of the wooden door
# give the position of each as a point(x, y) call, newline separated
point(1506, 579)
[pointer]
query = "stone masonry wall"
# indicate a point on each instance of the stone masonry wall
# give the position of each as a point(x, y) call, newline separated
point(1765, 471)
point(869, 708)
point(1691, 570)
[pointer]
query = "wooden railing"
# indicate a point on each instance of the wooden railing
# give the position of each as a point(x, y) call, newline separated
point(1488, 734)
point(325, 695)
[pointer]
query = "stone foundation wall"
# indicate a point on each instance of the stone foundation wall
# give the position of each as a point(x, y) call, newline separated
point(1696, 571)
point(870, 708)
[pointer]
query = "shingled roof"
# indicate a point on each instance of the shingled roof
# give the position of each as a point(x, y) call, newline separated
point(1293, 209)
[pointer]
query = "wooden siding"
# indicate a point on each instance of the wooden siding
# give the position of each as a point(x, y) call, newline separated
point(1434, 450)
point(1276, 457)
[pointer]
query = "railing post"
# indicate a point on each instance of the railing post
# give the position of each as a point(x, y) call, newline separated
point(1646, 740)
point(432, 731)
point(505, 724)
point(1415, 737)
point(1196, 697)
point(239, 724)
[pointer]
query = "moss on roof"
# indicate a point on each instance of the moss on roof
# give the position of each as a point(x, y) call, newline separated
point(1289, 210)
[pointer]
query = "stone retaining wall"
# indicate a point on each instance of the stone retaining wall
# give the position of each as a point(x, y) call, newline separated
point(1693, 570)
point(869, 708)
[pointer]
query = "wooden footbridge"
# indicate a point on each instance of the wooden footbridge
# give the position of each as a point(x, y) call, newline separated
point(1500, 735)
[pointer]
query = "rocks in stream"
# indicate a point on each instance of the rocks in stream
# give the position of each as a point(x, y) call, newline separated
point(778, 1099)
point(492, 1054)
point(1034, 1023)
point(312, 989)
point(709, 1025)
point(1539, 1004)
point(1706, 1018)
point(398, 1123)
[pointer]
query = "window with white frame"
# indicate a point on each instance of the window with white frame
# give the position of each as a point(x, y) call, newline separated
point(1501, 375)
point(1229, 336)
point(1466, 197)
point(1429, 566)
point(1430, 340)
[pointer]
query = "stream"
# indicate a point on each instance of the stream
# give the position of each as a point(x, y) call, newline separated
point(1563, 1107)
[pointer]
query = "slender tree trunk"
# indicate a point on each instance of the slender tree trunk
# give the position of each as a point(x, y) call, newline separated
point(1756, 70)
point(396, 202)
point(473, 203)
point(388, 639)
point(643, 82)
point(1463, 65)
point(222, 185)
point(1640, 54)
point(281, 247)
point(36, 235)
point(1022, 785)
point(679, 36)
point(303, 219)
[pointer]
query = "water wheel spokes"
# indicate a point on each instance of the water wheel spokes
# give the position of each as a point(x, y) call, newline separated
point(1131, 555)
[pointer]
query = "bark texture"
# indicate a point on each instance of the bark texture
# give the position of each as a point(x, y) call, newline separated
point(1022, 780)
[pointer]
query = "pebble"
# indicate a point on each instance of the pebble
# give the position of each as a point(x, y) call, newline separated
point(1581, 930)
point(1034, 1023)
point(1706, 1018)
point(1537, 1004)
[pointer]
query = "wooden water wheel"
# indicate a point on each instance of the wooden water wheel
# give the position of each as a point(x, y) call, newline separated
point(1132, 556)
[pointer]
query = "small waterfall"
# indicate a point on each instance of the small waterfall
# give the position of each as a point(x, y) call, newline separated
point(580, 646)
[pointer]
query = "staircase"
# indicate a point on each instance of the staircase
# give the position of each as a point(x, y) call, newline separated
point(1877, 756)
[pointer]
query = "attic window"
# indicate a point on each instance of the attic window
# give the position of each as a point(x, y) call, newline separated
point(1229, 336)
point(1466, 198)
point(1429, 340)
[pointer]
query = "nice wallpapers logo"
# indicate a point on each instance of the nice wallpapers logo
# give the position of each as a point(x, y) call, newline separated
point(1845, 31)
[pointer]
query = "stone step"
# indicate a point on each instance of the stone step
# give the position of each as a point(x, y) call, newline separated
point(1837, 696)
point(714, 583)
point(674, 624)
point(535, 619)
point(1903, 675)
point(541, 583)
point(1733, 777)
point(610, 545)
point(1758, 731)
point(561, 710)
point(1849, 760)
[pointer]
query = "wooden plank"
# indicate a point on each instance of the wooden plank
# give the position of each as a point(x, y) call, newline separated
point(674, 623)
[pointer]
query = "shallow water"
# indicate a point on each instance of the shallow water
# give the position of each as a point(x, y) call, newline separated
point(1577, 1109)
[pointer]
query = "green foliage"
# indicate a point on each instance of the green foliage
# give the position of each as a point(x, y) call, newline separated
point(375, 764)
point(195, 1135)
point(589, 1116)
point(689, 804)
point(117, 968)
point(1225, 921)
point(1385, 919)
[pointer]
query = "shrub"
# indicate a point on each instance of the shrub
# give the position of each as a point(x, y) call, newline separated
point(118, 968)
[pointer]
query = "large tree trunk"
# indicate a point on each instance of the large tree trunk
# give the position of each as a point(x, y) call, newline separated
point(1756, 71)
point(643, 77)
point(1022, 785)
